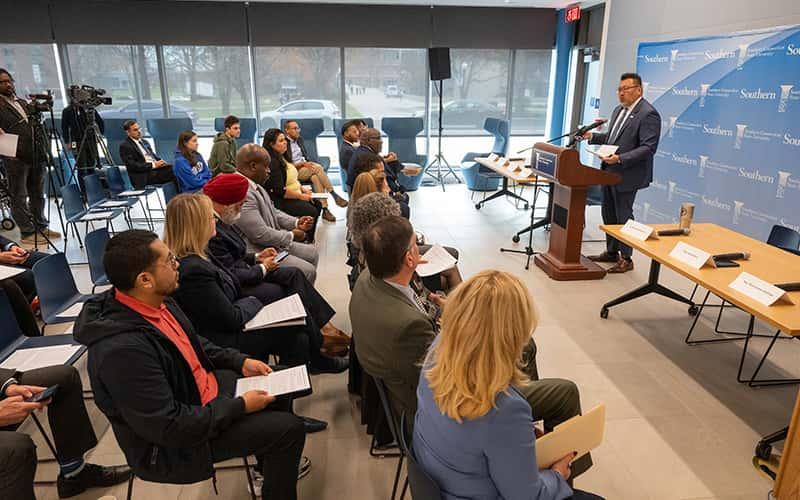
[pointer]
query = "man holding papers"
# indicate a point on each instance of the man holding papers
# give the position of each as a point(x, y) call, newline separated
point(169, 393)
point(634, 128)
point(71, 430)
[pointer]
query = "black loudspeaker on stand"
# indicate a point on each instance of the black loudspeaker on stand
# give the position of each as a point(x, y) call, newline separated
point(439, 63)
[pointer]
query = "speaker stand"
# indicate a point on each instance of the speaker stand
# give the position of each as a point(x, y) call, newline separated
point(439, 163)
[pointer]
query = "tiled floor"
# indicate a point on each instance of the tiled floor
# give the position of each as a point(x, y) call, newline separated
point(679, 426)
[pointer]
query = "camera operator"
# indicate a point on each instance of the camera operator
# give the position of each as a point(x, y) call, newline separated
point(25, 179)
point(75, 121)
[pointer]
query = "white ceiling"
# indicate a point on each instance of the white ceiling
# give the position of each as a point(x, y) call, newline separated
point(555, 4)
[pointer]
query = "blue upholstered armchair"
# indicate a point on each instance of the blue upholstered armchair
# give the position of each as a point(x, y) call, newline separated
point(165, 132)
point(310, 129)
point(248, 126)
point(477, 177)
point(402, 134)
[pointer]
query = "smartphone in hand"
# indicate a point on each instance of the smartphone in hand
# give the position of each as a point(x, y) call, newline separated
point(44, 395)
point(281, 255)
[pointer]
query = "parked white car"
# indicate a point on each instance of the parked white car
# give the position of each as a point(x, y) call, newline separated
point(302, 108)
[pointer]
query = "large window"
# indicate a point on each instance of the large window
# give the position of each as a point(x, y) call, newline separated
point(476, 91)
point(385, 82)
point(208, 82)
point(33, 68)
point(531, 80)
point(293, 82)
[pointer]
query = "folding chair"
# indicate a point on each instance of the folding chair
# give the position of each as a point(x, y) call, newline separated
point(57, 290)
point(117, 187)
point(75, 211)
point(422, 486)
point(98, 201)
point(387, 409)
point(95, 248)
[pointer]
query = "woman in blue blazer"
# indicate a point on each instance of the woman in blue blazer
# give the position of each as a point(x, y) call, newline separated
point(189, 166)
point(473, 432)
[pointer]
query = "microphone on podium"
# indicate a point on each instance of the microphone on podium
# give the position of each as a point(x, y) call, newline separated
point(576, 134)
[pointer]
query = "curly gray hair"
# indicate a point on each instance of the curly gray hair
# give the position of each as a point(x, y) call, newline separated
point(366, 211)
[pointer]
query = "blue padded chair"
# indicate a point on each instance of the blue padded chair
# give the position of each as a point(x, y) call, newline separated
point(170, 190)
point(56, 288)
point(96, 198)
point(75, 211)
point(165, 132)
point(402, 133)
point(95, 248)
point(310, 130)
point(477, 177)
point(784, 238)
point(115, 136)
point(248, 126)
point(337, 129)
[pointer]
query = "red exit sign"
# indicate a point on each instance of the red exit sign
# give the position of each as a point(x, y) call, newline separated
point(573, 13)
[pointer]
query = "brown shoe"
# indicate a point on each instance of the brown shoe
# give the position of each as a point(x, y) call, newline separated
point(328, 216)
point(338, 199)
point(622, 266)
point(605, 257)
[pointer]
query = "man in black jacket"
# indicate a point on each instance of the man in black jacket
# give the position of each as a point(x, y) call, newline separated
point(143, 164)
point(70, 426)
point(80, 139)
point(350, 132)
point(26, 170)
point(11, 254)
point(168, 392)
point(371, 143)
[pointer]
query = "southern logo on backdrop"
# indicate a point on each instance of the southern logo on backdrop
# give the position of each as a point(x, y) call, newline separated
point(730, 137)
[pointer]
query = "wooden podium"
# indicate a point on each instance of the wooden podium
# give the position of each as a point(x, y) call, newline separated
point(563, 260)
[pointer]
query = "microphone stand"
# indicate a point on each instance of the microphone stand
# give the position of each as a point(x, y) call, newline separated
point(548, 216)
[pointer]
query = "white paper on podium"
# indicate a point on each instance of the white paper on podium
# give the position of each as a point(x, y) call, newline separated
point(8, 271)
point(581, 434)
point(276, 383)
point(284, 312)
point(71, 311)
point(438, 260)
point(8, 145)
point(604, 150)
point(39, 357)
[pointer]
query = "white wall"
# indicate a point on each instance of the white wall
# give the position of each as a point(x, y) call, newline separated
point(634, 21)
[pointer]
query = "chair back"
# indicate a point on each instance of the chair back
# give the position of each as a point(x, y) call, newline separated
point(594, 196)
point(170, 190)
point(94, 189)
point(126, 179)
point(337, 127)
point(422, 486)
point(165, 132)
point(54, 284)
point(248, 126)
point(73, 203)
point(9, 328)
point(499, 129)
point(115, 135)
point(387, 407)
point(95, 248)
point(114, 179)
point(402, 134)
point(784, 237)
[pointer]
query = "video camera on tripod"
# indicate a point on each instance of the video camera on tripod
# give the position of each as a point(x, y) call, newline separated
point(87, 97)
point(41, 103)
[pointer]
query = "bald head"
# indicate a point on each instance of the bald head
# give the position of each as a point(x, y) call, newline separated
point(371, 138)
point(252, 161)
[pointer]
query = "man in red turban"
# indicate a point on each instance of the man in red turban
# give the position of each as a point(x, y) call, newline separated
point(227, 192)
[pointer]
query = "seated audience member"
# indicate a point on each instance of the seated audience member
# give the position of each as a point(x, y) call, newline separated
point(392, 327)
point(371, 143)
point(143, 164)
point(265, 226)
point(223, 152)
point(283, 185)
point(474, 432)
point(308, 170)
point(350, 133)
point(71, 430)
point(190, 168)
point(11, 254)
point(20, 307)
point(213, 300)
point(168, 392)
point(258, 273)
point(369, 182)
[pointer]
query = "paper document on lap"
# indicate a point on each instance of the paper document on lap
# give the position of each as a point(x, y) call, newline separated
point(438, 260)
point(284, 312)
point(581, 434)
point(276, 383)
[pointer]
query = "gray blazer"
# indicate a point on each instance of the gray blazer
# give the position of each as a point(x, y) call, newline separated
point(262, 223)
point(637, 141)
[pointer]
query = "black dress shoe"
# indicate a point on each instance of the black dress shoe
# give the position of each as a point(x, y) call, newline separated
point(325, 364)
point(92, 476)
point(612, 257)
point(313, 425)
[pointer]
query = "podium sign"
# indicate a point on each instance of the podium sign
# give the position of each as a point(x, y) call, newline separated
point(545, 164)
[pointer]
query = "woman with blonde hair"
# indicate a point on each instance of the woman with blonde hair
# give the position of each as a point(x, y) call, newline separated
point(473, 432)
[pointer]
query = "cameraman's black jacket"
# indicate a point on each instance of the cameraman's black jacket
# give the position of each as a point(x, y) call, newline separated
point(13, 123)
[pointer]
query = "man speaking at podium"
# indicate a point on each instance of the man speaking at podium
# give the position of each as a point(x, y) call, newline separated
point(635, 127)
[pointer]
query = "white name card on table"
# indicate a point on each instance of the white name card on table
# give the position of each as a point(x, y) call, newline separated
point(516, 164)
point(502, 162)
point(525, 172)
point(759, 290)
point(692, 256)
point(638, 231)
point(493, 157)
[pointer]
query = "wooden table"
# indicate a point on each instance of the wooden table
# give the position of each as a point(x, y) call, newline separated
point(506, 174)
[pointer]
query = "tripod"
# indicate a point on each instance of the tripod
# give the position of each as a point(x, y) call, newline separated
point(92, 138)
point(439, 160)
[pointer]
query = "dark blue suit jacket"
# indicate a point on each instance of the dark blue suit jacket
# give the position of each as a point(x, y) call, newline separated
point(391, 169)
point(637, 141)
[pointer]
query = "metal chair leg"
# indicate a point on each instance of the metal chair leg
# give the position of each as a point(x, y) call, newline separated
point(44, 434)
point(405, 488)
point(397, 476)
point(130, 486)
point(249, 480)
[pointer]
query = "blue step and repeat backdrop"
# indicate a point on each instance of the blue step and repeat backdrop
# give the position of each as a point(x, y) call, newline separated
point(730, 135)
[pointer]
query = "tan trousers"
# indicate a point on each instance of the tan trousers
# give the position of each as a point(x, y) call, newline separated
point(319, 179)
